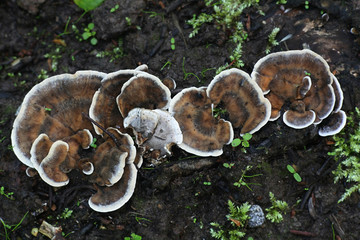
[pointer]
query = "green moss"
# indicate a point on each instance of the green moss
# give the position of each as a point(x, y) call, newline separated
point(347, 152)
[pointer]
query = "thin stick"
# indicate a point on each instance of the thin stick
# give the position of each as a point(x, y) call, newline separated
point(102, 128)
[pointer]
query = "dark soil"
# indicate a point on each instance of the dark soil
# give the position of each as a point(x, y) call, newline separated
point(171, 200)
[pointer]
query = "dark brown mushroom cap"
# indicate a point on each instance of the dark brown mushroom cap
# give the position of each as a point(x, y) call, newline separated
point(170, 83)
point(203, 135)
point(54, 107)
point(333, 124)
point(297, 75)
point(110, 158)
point(109, 199)
point(104, 109)
point(298, 117)
point(49, 169)
point(248, 109)
point(290, 67)
point(39, 149)
point(143, 91)
point(154, 129)
point(42, 146)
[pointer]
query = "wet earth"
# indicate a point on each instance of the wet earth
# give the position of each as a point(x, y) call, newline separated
point(179, 198)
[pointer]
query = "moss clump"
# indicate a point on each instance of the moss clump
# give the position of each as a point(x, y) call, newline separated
point(347, 153)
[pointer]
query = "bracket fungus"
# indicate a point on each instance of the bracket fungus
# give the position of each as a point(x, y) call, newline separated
point(54, 107)
point(298, 82)
point(203, 135)
point(114, 171)
point(143, 91)
point(104, 109)
point(52, 160)
point(242, 98)
point(156, 130)
point(337, 119)
point(111, 156)
point(109, 199)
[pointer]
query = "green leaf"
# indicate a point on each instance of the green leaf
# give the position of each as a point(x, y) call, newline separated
point(247, 136)
point(91, 26)
point(88, 5)
point(290, 169)
point(236, 142)
point(93, 41)
point(245, 143)
point(297, 177)
point(86, 35)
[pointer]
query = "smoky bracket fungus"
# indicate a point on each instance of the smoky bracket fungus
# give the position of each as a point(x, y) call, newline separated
point(242, 99)
point(156, 130)
point(50, 125)
point(115, 172)
point(298, 82)
point(203, 135)
point(143, 91)
point(104, 109)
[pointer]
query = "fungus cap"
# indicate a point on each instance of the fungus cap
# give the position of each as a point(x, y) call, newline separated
point(104, 109)
point(54, 107)
point(109, 199)
point(143, 91)
point(333, 124)
point(242, 98)
point(49, 169)
point(203, 135)
point(154, 129)
point(298, 117)
point(111, 157)
point(296, 75)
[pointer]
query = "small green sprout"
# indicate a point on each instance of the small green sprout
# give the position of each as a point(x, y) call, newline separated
point(133, 236)
point(218, 112)
point(228, 165)
point(187, 74)
point(207, 183)
point(54, 56)
point(307, 73)
point(295, 174)
point(281, 2)
point(114, 8)
point(8, 195)
point(274, 213)
point(168, 64)
point(93, 145)
point(306, 5)
point(116, 53)
point(128, 21)
point(172, 41)
point(154, 14)
point(241, 182)
point(47, 109)
point(90, 34)
point(10, 74)
point(66, 214)
point(243, 141)
point(43, 74)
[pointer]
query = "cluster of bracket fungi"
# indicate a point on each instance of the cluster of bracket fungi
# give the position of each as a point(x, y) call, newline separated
point(59, 117)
